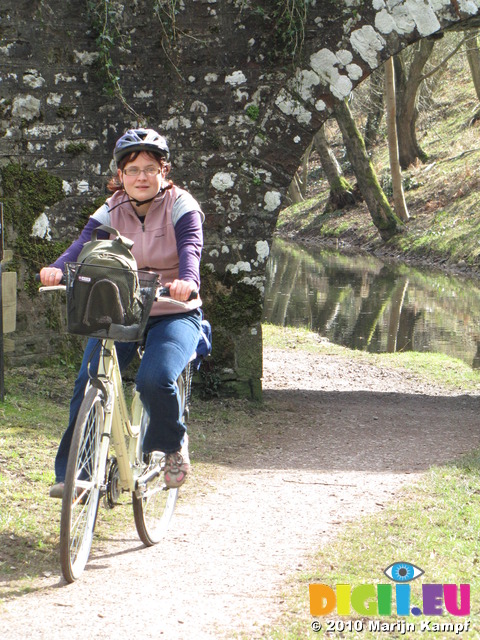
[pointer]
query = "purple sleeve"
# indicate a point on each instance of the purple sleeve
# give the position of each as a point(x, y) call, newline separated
point(73, 251)
point(189, 236)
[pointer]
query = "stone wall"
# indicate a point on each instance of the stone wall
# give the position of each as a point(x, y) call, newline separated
point(235, 90)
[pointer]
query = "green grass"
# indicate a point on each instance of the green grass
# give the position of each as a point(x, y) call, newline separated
point(30, 427)
point(293, 337)
point(437, 367)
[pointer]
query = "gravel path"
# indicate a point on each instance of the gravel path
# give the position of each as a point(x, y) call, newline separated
point(340, 439)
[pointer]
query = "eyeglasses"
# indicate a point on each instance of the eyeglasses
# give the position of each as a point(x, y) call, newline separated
point(136, 171)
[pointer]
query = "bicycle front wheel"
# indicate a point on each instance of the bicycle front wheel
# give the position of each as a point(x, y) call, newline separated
point(83, 481)
point(153, 507)
point(153, 502)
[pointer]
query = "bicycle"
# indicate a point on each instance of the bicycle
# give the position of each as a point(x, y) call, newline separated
point(104, 422)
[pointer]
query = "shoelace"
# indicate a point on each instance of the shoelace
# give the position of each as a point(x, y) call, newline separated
point(173, 461)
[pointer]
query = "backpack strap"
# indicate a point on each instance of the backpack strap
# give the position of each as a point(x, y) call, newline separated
point(113, 232)
point(204, 346)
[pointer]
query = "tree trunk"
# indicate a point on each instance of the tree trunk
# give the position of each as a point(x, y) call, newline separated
point(298, 187)
point(375, 108)
point(341, 192)
point(407, 86)
point(398, 194)
point(294, 193)
point(384, 218)
point(473, 57)
point(303, 170)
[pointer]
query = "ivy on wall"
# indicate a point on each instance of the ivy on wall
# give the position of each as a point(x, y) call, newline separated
point(290, 17)
point(286, 21)
point(166, 12)
point(26, 194)
point(106, 19)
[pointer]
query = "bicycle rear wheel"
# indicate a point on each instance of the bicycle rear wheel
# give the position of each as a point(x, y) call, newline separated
point(154, 506)
point(83, 481)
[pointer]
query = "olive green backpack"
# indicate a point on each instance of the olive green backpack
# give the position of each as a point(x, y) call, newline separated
point(104, 296)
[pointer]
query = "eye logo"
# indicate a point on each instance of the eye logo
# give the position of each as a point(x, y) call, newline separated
point(381, 599)
point(403, 571)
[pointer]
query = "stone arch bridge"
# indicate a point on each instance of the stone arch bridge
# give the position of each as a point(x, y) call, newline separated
point(238, 87)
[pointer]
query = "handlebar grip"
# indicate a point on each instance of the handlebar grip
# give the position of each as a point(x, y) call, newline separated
point(164, 292)
point(62, 281)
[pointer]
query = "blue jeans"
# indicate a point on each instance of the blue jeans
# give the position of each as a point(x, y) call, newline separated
point(170, 342)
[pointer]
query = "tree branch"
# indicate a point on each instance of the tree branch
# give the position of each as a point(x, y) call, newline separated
point(440, 65)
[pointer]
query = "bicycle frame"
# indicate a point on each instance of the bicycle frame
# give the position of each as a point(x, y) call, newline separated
point(117, 418)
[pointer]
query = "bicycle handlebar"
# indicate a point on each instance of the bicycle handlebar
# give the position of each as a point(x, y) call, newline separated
point(164, 292)
point(161, 292)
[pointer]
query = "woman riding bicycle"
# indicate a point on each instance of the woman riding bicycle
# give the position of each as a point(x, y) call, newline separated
point(165, 224)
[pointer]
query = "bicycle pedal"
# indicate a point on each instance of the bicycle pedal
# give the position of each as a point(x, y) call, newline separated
point(148, 476)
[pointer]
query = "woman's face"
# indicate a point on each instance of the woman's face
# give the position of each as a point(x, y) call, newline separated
point(147, 178)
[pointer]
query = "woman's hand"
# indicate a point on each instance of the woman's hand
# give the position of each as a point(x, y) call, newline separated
point(181, 289)
point(50, 276)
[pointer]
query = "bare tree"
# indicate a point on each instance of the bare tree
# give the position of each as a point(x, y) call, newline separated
point(384, 218)
point(398, 194)
point(341, 192)
point(473, 57)
point(375, 107)
point(408, 81)
point(407, 85)
point(298, 187)
point(295, 193)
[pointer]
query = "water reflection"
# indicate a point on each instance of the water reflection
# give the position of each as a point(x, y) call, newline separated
point(362, 303)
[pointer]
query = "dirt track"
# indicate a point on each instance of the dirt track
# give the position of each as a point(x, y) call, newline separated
point(338, 441)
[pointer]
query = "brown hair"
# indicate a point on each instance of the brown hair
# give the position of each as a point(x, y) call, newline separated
point(115, 184)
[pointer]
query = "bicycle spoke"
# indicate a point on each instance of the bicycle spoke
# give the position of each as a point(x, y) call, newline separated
point(85, 475)
point(154, 504)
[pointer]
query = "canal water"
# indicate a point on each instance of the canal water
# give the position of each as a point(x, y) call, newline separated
point(363, 303)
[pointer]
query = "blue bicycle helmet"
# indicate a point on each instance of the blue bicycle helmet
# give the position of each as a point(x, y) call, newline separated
point(140, 140)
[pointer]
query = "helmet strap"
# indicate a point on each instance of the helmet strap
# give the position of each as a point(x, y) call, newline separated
point(138, 203)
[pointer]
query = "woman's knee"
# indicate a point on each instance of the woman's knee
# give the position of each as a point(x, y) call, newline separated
point(159, 382)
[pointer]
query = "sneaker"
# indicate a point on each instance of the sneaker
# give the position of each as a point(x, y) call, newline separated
point(56, 491)
point(177, 466)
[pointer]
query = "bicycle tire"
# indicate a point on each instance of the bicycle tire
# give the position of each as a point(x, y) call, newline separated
point(83, 480)
point(153, 510)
